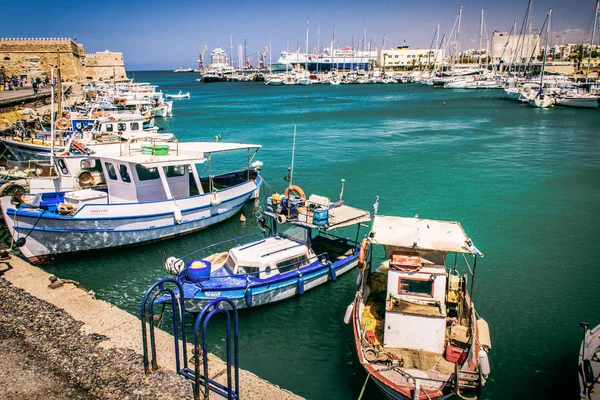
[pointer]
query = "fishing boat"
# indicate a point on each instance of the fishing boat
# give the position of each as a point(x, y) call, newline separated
point(180, 95)
point(415, 327)
point(181, 69)
point(589, 363)
point(300, 252)
point(144, 194)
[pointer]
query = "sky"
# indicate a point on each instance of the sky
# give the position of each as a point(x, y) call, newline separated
point(156, 35)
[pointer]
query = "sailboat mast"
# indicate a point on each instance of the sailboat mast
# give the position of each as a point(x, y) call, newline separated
point(318, 46)
point(333, 48)
point(545, 49)
point(306, 63)
point(592, 42)
point(480, 38)
point(456, 46)
point(270, 54)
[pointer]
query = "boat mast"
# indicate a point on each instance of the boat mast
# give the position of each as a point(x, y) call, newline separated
point(306, 63)
point(231, 52)
point(592, 42)
point(480, 38)
point(318, 46)
point(545, 50)
point(456, 47)
point(333, 48)
point(270, 54)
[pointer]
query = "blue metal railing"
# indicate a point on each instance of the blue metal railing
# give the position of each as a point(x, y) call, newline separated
point(219, 305)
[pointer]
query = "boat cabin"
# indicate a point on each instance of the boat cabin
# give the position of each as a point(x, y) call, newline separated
point(269, 257)
point(426, 305)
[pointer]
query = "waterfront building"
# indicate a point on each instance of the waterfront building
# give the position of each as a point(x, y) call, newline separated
point(512, 48)
point(218, 57)
point(402, 57)
point(33, 57)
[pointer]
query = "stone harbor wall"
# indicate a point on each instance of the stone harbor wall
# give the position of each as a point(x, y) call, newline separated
point(33, 57)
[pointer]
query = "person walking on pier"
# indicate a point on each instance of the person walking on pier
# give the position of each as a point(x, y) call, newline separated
point(34, 86)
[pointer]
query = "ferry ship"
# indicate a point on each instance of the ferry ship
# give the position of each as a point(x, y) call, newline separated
point(345, 58)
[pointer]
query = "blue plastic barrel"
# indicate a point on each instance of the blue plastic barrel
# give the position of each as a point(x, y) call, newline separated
point(320, 217)
point(197, 270)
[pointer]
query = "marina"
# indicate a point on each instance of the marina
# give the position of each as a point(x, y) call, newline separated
point(294, 225)
point(379, 122)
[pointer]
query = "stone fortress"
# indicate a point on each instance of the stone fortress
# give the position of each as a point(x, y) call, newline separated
point(33, 57)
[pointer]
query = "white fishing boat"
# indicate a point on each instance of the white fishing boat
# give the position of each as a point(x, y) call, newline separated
point(589, 363)
point(302, 250)
point(181, 69)
point(415, 327)
point(145, 194)
point(180, 95)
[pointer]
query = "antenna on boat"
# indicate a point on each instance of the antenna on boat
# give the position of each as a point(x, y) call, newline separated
point(342, 191)
point(293, 155)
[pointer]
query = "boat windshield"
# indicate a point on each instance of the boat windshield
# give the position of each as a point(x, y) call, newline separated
point(294, 232)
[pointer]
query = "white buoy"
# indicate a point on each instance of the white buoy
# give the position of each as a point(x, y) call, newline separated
point(348, 314)
point(242, 218)
point(174, 265)
point(177, 214)
point(281, 218)
point(214, 199)
point(484, 362)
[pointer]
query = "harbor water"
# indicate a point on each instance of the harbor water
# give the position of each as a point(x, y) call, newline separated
point(524, 183)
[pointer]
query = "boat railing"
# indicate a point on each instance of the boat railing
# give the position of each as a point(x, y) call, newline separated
point(223, 246)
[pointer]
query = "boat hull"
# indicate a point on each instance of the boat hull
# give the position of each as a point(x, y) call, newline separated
point(273, 292)
point(590, 102)
point(103, 226)
point(29, 151)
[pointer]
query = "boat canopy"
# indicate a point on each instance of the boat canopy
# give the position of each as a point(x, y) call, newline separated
point(344, 215)
point(421, 234)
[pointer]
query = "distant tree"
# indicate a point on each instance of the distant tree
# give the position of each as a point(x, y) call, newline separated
point(594, 54)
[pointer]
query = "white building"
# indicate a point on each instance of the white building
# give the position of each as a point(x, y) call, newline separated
point(403, 57)
point(514, 48)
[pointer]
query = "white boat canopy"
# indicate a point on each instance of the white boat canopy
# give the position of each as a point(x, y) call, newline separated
point(344, 215)
point(421, 234)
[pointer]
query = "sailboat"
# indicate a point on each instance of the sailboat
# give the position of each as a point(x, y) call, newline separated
point(543, 100)
point(578, 99)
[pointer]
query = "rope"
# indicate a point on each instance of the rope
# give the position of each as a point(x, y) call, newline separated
point(362, 391)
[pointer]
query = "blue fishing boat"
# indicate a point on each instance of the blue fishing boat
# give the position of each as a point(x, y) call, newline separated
point(297, 251)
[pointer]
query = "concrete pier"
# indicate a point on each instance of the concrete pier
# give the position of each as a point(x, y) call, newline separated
point(94, 345)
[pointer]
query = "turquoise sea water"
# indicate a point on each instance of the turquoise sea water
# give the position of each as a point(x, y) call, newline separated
point(524, 183)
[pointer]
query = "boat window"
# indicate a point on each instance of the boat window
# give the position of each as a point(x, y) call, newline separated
point(135, 126)
point(89, 164)
point(121, 126)
point(124, 172)
point(421, 287)
point(291, 263)
point(109, 127)
point(246, 269)
point(110, 169)
point(146, 174)
point(175, 170)
point(230, 264)
point(293, 232)
point(62, 166)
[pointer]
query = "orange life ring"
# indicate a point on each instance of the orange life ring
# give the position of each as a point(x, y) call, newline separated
point(362, 255)
point(295, 189)
point(61, 123)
